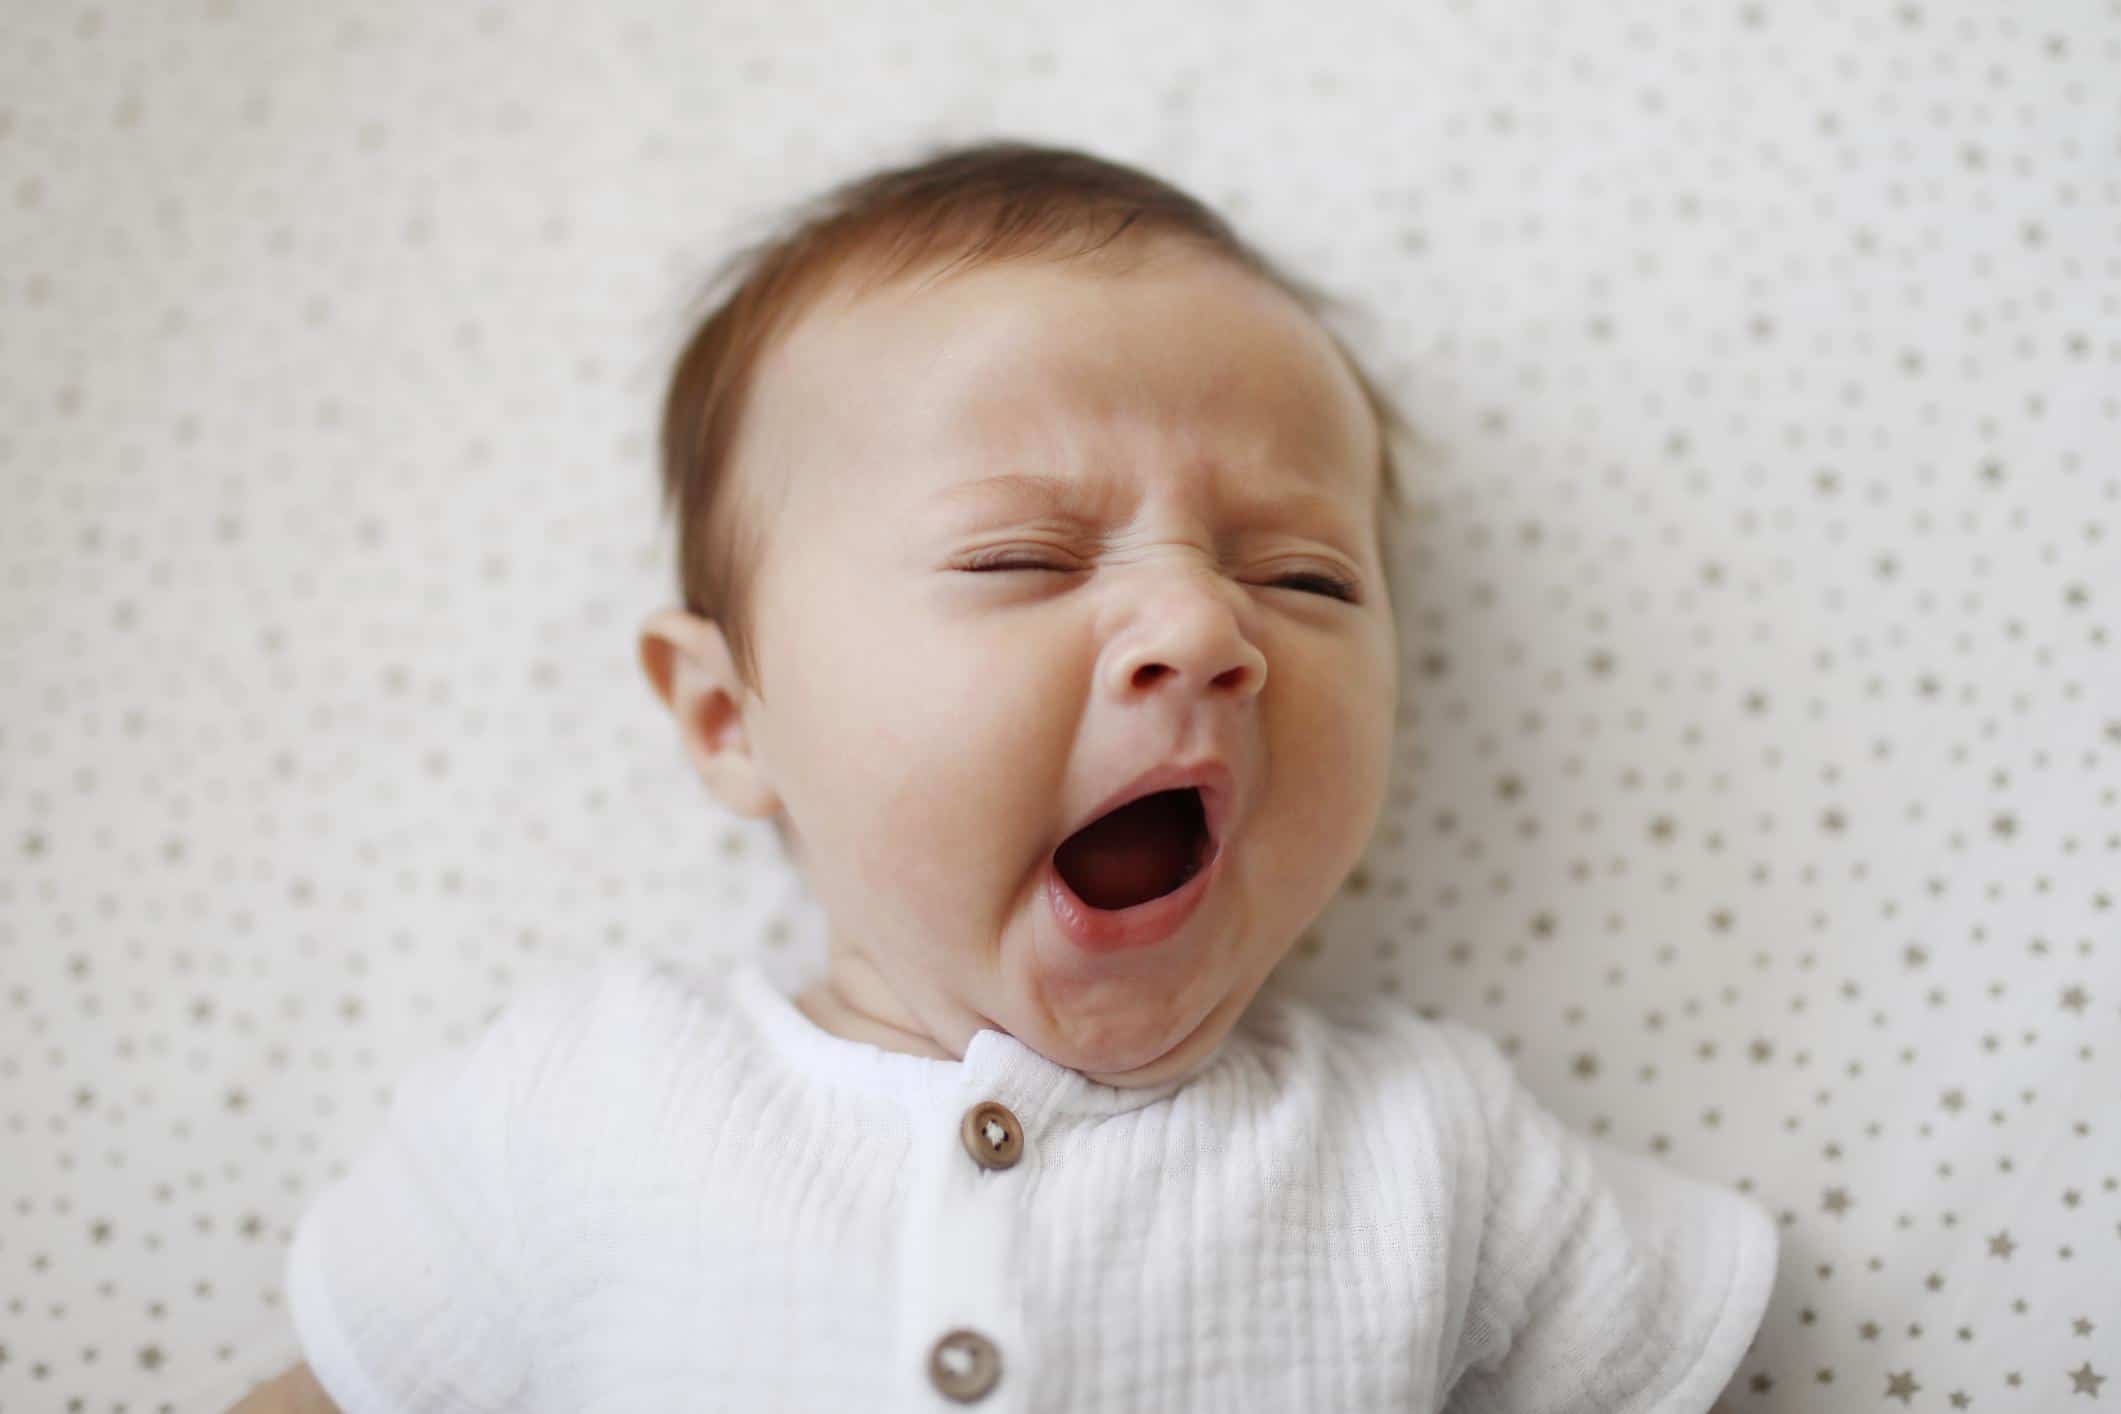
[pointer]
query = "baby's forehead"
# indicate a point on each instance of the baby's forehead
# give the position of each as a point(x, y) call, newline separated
point(1052, 370)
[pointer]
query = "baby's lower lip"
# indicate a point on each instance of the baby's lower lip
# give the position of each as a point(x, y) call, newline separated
point(1103, 930)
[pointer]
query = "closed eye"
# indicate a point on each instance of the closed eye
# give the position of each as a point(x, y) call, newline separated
point(1334, 587)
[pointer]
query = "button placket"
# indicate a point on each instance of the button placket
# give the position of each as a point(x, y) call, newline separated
point(965, 1363)
point(961, 1327)
point(960, 1322)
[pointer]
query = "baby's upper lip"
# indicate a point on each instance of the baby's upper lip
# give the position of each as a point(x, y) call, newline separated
point(1210, 775)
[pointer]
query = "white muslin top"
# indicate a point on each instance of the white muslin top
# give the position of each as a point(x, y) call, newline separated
point(659, 1186)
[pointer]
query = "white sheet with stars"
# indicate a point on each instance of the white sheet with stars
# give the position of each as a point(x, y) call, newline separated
point(1761, 737)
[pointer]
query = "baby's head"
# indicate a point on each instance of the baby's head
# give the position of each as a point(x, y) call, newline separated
point(1001, 481)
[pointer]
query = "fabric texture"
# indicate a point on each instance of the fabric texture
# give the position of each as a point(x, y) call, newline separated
point(655, 1186)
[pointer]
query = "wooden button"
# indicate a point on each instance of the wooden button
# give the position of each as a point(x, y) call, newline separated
point(964, 1365)
point(992, 1136)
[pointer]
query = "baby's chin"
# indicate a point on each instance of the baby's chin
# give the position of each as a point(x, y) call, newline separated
point(1148, 1055)
point(1179, 1065)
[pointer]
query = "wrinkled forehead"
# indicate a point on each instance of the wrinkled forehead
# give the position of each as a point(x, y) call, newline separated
point(1178, 368)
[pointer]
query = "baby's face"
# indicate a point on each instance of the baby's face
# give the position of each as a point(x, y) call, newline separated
point(934, 732)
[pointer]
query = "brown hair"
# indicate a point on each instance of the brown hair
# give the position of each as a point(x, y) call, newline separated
point(985, 202)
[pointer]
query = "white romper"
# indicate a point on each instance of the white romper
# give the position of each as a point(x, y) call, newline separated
point(654, 1186)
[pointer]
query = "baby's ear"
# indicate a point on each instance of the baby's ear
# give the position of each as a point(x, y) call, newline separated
point(669, 636)
point(689, 666)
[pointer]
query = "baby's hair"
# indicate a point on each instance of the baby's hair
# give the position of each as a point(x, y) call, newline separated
point(962, 206)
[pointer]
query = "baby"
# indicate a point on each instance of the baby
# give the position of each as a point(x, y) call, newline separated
point(1031, 536)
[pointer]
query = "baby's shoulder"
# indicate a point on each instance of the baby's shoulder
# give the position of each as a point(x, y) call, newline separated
point(584, 1026)
point(1392, 1035)
point(1381, 1052)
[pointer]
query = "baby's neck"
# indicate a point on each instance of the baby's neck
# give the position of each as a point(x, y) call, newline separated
point(823, 1005)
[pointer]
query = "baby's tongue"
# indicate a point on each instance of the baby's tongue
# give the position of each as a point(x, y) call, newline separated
point(1138, 852)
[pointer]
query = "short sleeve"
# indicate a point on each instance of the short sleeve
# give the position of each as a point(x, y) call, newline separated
point(1607, 1283)
point(403, 1279)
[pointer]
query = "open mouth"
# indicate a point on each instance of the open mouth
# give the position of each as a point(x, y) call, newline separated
point(1144, 850)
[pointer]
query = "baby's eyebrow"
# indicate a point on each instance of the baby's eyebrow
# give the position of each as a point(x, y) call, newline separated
point(1039, 492)
point(1066, 499)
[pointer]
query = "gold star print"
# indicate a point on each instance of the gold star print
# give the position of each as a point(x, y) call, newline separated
point(2086, 1381)
point(1903, 1385)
